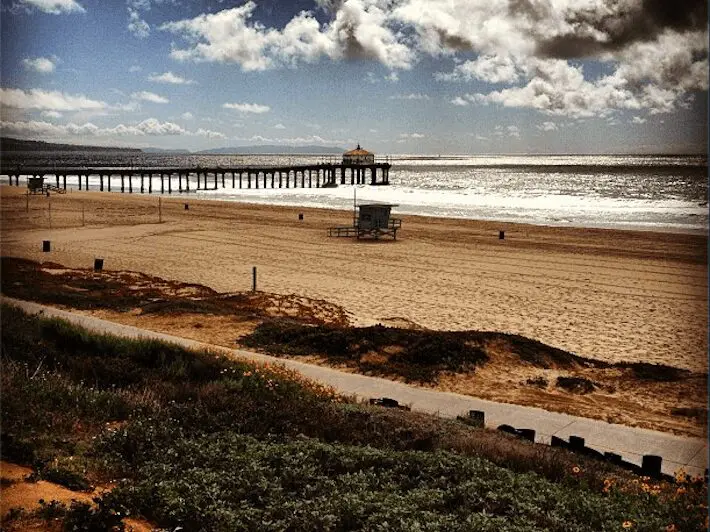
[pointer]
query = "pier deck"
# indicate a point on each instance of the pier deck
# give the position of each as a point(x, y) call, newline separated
point(146, 179)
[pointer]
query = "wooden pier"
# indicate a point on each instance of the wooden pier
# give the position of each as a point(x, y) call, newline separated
point(163, 180)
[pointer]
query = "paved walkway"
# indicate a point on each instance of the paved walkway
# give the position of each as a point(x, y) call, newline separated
point(631, 443)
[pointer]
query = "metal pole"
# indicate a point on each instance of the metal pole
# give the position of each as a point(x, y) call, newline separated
point(253, 279)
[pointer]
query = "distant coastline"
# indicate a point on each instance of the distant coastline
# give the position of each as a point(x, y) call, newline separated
point(8, 144)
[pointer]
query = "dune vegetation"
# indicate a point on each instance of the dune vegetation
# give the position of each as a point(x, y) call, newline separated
point(204, 442)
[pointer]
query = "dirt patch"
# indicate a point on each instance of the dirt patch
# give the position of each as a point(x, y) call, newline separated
point(18, 492)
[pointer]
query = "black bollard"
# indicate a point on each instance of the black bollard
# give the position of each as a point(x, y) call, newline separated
point(476, 418)
point(612, 458)
point(46, 246)
point(187, 207)
point(558, 442)
point(300, 216)
point(501, 235)
point(98, 264)
point(527, 434)
point(651, 465)
point(576, 443)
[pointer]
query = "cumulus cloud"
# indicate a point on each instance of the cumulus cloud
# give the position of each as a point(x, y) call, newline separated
point(311, 139)
point(134, 68)
point(547, 126)
point(52, 114)
point(411, 96)
point(638, 120)
point(48, 100)
point(41, 129)
point(490, 68)
point(54, 7)
point(654, 54)
point(210, 134)
point(279, 126)
point(169, 77)
point(359, 30)
point(39, 64)
point(187, 115)
point(411, 136)
point(149, 97)
point(136, 25)
point(254, 108)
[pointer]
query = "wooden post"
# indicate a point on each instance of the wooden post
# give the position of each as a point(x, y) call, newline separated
point(234, 177)
point(150, 182)
point(123, 183)
point(142, 182)
point(170, 185)
point(130, 183)
point(253, 279)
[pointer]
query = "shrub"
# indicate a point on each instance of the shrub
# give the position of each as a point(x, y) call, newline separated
point(578, 385)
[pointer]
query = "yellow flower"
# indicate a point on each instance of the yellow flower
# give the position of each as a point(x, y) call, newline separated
point(576, 470)
point(627, 524)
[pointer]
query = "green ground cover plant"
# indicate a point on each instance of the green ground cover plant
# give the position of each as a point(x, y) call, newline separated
point(200, 441)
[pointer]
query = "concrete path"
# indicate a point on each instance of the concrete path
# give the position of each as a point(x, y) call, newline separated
point(631, 443)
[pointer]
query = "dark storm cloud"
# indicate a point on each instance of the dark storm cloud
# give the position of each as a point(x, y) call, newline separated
point(627, 24)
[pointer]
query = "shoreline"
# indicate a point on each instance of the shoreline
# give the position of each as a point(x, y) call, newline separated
point(233, 196)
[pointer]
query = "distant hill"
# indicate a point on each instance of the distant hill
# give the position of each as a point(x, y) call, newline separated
point(273, 149)
point(162, 150)
point(9, 144)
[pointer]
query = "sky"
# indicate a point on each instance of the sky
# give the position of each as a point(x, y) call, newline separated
point(396, 76)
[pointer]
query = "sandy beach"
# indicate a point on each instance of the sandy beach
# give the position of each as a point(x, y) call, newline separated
point(604, 294)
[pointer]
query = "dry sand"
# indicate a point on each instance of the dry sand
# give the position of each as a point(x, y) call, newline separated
point(606, 294)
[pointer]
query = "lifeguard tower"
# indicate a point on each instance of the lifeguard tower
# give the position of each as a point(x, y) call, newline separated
point(372, 220)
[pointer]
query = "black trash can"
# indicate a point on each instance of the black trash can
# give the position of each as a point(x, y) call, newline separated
point(98, 264)
point(46, 246)
point(501, 235)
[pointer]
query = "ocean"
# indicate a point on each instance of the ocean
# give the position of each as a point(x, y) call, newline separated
point(652, 192)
